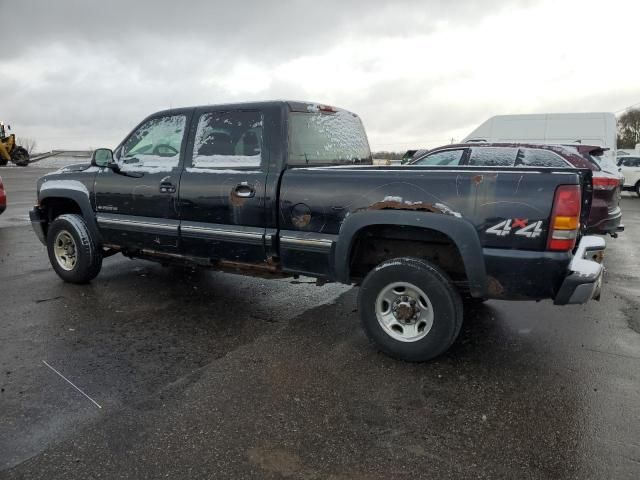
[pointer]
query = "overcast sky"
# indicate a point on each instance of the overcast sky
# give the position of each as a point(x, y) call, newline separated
point(79, 74)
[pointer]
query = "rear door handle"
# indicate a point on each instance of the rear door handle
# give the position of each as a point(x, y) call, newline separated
point(244, 191)
point(167, 187)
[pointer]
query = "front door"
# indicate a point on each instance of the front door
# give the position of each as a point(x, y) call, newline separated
point(222, 189)
point(137, 207)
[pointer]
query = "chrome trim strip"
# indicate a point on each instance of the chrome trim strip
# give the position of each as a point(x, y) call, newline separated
point(225, 233)
point(307, 241)
point(319, 244)
point(220, 232)
point(137, 223)
point(269, 235)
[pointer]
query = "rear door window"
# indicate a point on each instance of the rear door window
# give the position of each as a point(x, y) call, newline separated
point(493, 157)
point(228, 140)
point(444, 157)
point(536, 157)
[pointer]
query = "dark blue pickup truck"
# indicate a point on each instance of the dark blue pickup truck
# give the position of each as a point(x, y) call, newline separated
point(288, 188)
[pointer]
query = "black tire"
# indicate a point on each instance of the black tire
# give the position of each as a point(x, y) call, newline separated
point(3, 162)
point(20, 157)
point(638, 189)
point(442, 298)
point(85, 251)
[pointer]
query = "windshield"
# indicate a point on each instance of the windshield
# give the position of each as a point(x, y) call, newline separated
point(327, 138)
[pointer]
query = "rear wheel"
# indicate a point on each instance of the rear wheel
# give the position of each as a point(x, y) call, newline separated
point(410, 309)
point(73, 252)
point(638, 189)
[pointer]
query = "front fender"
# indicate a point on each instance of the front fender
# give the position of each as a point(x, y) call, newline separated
point(76, 191)
point(459, 230)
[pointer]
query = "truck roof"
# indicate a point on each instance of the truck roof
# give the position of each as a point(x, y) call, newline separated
point(292, 105)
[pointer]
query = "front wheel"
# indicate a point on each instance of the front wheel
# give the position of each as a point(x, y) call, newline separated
point(410, 309)
point(73, 251)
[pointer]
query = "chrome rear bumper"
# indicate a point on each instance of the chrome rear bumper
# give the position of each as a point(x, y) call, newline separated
point(584, 280)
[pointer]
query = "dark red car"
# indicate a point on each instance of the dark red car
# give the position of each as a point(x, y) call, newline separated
point(3, 197)
point(605, 214)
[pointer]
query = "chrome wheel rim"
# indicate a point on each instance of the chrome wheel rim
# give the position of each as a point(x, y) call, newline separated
point(404, 312)
point(65, 251)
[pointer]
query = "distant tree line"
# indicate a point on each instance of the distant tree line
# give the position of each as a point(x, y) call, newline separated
point(388, 155)
point(29, 144)
point(629, 129)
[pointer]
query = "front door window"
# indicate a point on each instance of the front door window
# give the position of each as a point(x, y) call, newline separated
point(154, 146)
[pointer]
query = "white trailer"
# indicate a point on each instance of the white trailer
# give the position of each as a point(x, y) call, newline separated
point(596, 128)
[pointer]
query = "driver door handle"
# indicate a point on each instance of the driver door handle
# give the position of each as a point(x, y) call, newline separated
point(167, 187)
point(244, 191)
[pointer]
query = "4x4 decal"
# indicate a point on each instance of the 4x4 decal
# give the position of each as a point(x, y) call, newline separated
point(517, 226)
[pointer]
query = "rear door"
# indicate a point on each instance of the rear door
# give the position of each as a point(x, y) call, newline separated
point(137, 208)
point(222, 189)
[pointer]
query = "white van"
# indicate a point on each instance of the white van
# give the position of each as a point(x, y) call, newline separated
point(597, 128)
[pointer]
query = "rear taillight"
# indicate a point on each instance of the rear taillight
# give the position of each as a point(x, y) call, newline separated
point(565, 218)
point(605, 183)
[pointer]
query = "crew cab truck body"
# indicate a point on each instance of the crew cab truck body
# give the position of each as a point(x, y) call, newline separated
point(287, 188)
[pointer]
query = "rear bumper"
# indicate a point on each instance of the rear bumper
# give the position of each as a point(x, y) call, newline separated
point(539, 275)
point(38, 222)
point(585, 278)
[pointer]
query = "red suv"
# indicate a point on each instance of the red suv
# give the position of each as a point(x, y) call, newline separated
point(3, 197)
point(605, 214)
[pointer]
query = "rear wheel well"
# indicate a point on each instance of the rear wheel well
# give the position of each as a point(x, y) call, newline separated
point(377, 243)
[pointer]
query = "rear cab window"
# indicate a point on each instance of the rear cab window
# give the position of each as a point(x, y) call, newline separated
point(326, 136)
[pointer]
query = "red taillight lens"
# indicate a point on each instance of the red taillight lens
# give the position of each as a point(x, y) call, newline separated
point(565, 218)
point(605, 183)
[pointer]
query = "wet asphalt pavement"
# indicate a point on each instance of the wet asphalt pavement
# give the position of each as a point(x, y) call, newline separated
point(210, 375)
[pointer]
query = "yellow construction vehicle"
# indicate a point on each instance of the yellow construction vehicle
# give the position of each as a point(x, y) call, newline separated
point(9, 151)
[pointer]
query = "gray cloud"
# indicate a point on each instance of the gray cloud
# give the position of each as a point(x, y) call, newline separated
point(271, 30)
point(83, 73)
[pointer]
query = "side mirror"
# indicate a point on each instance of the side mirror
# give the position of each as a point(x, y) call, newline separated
point(102, 157)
